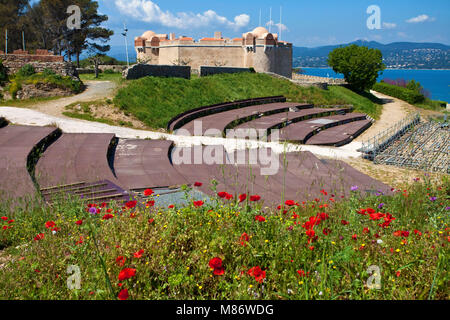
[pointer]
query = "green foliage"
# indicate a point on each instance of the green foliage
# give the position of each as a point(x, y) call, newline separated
point(26, 71)
point(104, 60)
point(14, 87)
point(410, 96)
point(109, 71)
point(155, 101)
point(359, 65)
point(178, 244)
point(3, 73)
point(48, 72)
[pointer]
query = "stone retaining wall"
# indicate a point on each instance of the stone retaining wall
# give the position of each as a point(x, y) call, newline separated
point(144, 70)
point(40, 61)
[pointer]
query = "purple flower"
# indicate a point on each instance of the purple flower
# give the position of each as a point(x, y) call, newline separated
point(433, 199)
point(447, 208)
point(354, 188)
point(93, 210)
point(380, 206)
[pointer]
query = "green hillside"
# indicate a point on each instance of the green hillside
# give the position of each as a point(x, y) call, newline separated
point(156, 100)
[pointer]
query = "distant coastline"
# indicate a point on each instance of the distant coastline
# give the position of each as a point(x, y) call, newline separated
point(385, 69)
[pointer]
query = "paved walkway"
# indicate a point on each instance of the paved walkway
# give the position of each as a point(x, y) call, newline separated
point(68, 125)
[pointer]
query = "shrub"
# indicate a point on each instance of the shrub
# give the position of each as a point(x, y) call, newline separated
point(14, 87)
point(26, 71)
point(401, 93)
point(48, 72)
point(3, 72)
point(109, 71)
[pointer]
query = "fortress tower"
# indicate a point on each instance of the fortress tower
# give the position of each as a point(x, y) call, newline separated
point(258, 49)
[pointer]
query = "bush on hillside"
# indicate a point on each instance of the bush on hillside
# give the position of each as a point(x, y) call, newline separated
point(26, 71)
point(3, 72)
point(405, 94)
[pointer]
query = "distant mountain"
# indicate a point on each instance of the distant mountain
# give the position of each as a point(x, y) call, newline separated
point(402, 55)
point(120, 53)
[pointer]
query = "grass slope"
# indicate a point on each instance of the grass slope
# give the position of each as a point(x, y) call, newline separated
point(155, 101)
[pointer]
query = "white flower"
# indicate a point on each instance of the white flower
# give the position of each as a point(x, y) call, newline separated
point(379, 241)
point(54, 232)
point(320, 293)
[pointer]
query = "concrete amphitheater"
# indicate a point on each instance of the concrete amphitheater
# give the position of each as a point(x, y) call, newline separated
point(47, 163)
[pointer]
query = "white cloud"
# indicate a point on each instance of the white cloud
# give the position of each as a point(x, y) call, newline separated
point(150, 12)
point(421, 18)
point(389, 25)
point(276, 26)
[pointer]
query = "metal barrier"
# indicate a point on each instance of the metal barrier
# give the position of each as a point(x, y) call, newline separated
point(384, 139)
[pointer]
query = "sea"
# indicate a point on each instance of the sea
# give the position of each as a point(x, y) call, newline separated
point(437, 82)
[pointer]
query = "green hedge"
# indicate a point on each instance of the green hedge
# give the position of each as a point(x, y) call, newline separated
point(401, 93)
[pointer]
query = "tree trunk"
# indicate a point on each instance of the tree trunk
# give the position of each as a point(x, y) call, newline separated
point(96, 69)
point(78, 60)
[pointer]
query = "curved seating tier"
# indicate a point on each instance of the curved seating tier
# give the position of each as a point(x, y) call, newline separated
point(190, 115)
point(18, 146)
point(304, 130)
point(77, 158)
point(141, 164)
point(221, 121)
point(340, 135)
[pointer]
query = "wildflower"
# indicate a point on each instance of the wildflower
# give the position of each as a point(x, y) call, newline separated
point(244, 239)
point(198, 204)
point(326, 231)
point(380, 206)
point(127, 273)
point(301, 273)
point(131, 204)
point(216, 265)
point(198, 184)
point(151, 220)
point(4, 218)
point(242, 197)
point(229, 196)
point(50, 224)
point(222, 194)
point(354, 237)
point(123, 294)
point(79, 222)
point(379, 241)
point(433, 199)
point(366, 230)
point(121, 261)
point(107, 216)
point(93, 210)
point(79, 241)
point(257, 273)
point(260, 218)
point(290, 203)
point(344, 223)
point(171, 206)
point(139, 254)
point(40, 236)
point(255, 198)
point(148, 192)
point(150, 203)
point(354, 188)
point(310, 233)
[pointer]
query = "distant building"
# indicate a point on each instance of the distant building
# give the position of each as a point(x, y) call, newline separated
point(259, 49)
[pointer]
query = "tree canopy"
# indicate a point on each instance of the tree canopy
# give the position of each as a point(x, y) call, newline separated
point(359, 65)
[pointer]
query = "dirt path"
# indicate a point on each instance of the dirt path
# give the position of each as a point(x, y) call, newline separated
point(96, 90)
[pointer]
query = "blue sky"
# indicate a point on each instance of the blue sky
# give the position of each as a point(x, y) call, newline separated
point(305, 23)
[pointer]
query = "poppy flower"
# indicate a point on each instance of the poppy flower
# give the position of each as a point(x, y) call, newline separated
point(366, 230)
point(215, 263)
point(131, 204)
point(301, 273)
point(138, 254)
point(121, 261)
point(310, 233)
point(150, 203)
point(198, 184)
point(11, 221)
point(40, 236)
point(260, 218)
point(242, 197)
point(148, 192)
point(171, 206)
point(326, 231)
point(229, 196)
point(290, 203)
point(107, 216)
point(79, 222)
point(4, 218)
point(255, 198)
point(222, 194)
point(123, 294)
point(257, 273)
point(344, 223)
point(198, 204)
point(79, 241)
point(127, 273)
point(50, 224)
point(244, 239)
point(151, 220)
point(354, 237)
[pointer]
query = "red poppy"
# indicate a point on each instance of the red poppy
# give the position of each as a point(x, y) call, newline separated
point(139, 254)
point(255, 198)
point(397, 233)
point(11, 221)
point(310, 233)
point(171, 206)
point(366, 230)
point(222, 194)
point(354, 237)
point(79, 222)
point(148, 192)
point(405, 234)
point(121, 261)
point(131, 204)
point(376, 216)
point(242, 197)
point(151, 220)
point(127, 273)
point(40, 236)
point(326, 231)
point(257, 273)
point(198, 204)
point(216, 264)
point(290, 203)
point(79, 241)
point(198, 184)
point(107, 216)
point(301, 273)
point(123, 294)
point(260, 218)
point(244, 239)
point(50, 224)
point(344, 223)
point(150, 203)
point(4, 218)
point(229, 196)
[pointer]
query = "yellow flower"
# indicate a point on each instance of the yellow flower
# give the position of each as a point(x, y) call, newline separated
point(331, 262)
point(300, 283)
point(333, 243)
point(267, 241)
point(398, 250)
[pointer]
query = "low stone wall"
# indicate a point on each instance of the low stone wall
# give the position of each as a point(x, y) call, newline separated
point(314, 79)
point(42, 60)
point(144, 70)
point(209, 71)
